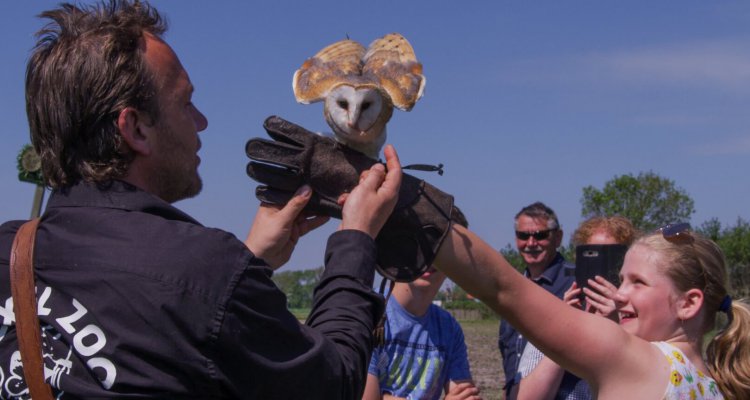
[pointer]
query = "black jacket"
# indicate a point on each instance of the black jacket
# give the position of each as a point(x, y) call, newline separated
point(137, 299)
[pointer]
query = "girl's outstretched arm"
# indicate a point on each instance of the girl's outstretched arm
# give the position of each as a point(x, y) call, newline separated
point(594, 348)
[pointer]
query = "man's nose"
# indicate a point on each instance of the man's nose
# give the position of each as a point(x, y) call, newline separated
point(201, 122)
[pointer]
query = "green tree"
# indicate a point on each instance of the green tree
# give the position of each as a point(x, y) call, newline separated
point(298, 286)
point(513, 257)
point(456, 298)
point(648, 200)
point(711, 229)
point(734, 242)
point(457, 293)
point(568, 252)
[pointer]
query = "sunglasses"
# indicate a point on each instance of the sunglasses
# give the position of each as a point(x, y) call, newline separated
point(538, 235)
point(680, 234)
point(677, 233)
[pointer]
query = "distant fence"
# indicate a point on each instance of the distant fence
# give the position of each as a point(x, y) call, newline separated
point(466, 315)
point(468, 310)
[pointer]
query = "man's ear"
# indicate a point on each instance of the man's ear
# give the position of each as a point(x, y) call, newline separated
point(690, 304)
point(558, 236)
point(135, 131)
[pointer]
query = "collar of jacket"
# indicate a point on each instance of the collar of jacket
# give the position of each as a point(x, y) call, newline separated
point(115, 194)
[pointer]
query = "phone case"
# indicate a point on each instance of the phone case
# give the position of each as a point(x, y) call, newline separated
point(604, 260)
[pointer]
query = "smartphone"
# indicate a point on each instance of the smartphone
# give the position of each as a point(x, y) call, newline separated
point(604, 260)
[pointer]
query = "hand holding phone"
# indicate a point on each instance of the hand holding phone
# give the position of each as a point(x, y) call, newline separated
point(604, 260)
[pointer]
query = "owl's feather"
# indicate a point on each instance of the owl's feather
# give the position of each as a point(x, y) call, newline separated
point(392, 60)
point(337, 63)
point(360, 87)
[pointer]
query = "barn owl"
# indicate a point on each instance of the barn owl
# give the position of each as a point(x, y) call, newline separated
point(360, 87)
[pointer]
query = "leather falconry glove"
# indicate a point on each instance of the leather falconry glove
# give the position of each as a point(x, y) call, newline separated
point(410, 238)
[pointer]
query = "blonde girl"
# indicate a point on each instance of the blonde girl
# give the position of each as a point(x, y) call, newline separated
point(673, 286)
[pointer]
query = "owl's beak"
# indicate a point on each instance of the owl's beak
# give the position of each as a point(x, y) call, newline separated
point(353, 117)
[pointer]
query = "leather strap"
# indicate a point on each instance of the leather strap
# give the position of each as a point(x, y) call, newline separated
point(25, 309)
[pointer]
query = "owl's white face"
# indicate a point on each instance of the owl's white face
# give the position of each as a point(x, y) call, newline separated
point(360, 87)
point(357, 115)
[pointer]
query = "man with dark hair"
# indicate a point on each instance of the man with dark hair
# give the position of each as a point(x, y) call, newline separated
point(137, 299)
point(538, 235)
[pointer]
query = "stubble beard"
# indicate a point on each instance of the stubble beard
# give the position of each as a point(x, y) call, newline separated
point(178, 184)
point(177, 178)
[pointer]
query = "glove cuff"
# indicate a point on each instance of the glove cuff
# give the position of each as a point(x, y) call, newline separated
point(410, 240)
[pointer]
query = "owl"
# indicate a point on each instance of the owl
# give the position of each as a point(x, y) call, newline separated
point(359, 88)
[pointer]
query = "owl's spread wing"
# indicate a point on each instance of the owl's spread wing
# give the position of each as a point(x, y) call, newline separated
point(337, 63)
point(392, 60)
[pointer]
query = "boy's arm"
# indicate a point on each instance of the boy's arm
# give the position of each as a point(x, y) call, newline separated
point(372, 388)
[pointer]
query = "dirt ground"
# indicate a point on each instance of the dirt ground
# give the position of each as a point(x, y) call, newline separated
point(484, 356)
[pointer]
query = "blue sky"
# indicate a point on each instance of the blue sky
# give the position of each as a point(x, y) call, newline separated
point(524, 101)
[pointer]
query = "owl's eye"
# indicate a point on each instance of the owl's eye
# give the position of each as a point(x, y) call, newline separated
point(365, 105)
point(343, 104)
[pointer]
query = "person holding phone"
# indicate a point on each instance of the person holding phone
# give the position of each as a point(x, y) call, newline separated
point(613, 231)
point(540, 376)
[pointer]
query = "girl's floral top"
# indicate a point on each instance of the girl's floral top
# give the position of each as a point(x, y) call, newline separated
point(685, 381)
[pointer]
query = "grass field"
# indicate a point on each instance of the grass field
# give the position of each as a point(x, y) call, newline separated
point(484, 356)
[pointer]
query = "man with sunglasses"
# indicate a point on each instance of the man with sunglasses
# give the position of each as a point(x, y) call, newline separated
point(538, 235)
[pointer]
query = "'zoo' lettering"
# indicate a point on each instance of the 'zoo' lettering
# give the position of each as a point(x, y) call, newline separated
point(89, 331)
point(67, 322)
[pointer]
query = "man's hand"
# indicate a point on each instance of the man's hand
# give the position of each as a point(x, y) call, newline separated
point(371, 202)
point(276, 229)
